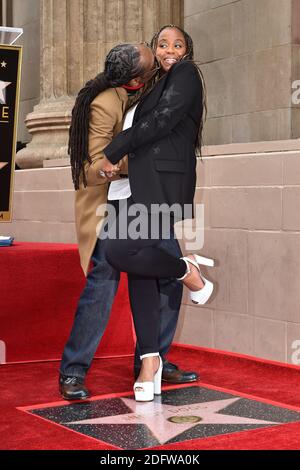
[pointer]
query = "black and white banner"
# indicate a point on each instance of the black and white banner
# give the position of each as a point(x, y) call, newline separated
point(10, 75)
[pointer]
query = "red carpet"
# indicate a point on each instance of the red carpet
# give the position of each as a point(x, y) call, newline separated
point(39, 289)
point(32, 384)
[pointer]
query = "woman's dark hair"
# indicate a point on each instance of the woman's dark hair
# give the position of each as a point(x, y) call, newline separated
point(122, 64)
point(190, 57)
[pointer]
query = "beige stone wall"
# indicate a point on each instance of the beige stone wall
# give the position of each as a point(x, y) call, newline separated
point(26, 15)
point(251, 192)
point(43, 206)
point(249, 55)
point(251, 197)
point(252, 230)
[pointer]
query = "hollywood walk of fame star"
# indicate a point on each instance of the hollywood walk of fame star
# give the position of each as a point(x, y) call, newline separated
point(168, 421)
point(3, 85)
point(3, 64)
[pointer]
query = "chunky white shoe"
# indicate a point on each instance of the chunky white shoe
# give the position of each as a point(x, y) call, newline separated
point(157, 378)
point(201, 296)
point(145, 391)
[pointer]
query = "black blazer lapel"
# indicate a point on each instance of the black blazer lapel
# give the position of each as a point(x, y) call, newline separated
point(150, 100)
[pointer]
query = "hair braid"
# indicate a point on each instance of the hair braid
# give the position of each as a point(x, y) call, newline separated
point(121, 65)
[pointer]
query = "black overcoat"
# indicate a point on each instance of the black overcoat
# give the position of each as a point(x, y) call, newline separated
point(161, 142)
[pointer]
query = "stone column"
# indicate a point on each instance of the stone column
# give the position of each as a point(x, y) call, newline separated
point(75, 38)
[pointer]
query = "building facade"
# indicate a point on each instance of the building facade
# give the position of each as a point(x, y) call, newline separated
point(249, 181)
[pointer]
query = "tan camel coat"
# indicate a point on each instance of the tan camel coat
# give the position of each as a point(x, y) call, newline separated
point(106, 121)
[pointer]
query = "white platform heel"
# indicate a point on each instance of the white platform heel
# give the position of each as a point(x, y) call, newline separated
point(201, 296)
point(145, 391)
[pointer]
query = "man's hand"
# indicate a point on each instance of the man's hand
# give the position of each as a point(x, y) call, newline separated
point(108, 169)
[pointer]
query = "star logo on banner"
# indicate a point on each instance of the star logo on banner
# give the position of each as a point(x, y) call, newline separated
point(168, 421)
point(3, 64)
point(3, 164)
point(3, 85)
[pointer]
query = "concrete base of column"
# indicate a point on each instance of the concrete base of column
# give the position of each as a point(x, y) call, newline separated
point(49, 125)
point(43, 206)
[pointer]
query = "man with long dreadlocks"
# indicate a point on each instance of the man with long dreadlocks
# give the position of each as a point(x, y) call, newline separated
point(96, 118)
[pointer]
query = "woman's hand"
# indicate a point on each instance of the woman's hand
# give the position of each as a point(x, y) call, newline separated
point(108, 169)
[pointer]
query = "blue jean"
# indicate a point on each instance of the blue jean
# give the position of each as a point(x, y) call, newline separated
point(94, 308)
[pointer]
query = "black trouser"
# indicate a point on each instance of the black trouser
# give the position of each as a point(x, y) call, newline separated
point(145, 263)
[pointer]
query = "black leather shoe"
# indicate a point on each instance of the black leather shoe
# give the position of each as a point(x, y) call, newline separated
point(72, 388)
point(172, 374)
